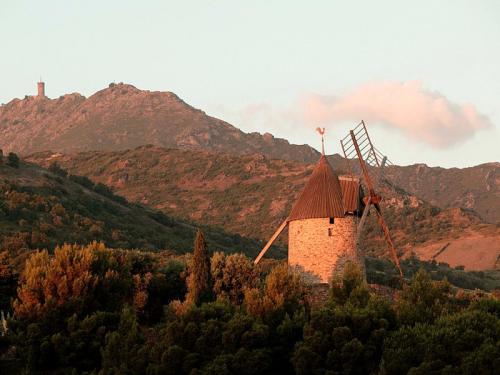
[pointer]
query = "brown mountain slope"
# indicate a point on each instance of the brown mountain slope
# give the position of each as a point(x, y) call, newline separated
point(123, 117)
point(476, 188)
point(251, 194)
point(246, 194)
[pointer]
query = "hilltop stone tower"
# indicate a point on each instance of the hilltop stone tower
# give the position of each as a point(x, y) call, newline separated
point(41, 89)
point(323, 225)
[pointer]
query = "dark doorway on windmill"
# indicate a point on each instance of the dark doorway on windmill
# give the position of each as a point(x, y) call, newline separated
point(331, 220)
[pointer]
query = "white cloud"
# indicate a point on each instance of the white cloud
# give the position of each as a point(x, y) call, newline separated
point(420, 114)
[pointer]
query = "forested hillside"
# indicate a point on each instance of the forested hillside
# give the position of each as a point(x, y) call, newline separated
point(41, 208)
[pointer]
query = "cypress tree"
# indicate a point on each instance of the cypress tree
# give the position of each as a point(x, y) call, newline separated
point(199, 282)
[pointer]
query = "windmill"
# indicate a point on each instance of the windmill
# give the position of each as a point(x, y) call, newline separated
point(322, 224)
point(358, 145)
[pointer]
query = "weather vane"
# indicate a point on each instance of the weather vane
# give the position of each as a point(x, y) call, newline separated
point(321, 131)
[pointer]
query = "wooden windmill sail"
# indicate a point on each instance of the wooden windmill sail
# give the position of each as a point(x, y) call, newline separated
point(358, 145)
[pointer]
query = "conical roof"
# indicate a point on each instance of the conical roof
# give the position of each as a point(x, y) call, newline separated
point(322, 196)
point(351, 193)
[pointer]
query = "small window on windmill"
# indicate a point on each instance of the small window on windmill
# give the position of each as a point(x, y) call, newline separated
point(331, 220)
point(330, 232)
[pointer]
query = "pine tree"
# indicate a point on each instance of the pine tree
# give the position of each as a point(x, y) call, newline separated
point(199, 281)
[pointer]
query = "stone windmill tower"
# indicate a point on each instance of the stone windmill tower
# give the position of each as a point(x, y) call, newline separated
point(323, 224)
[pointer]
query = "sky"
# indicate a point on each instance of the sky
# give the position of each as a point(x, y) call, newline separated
point(424, 76)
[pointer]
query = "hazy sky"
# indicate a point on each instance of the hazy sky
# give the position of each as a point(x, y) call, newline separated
point(425, 75)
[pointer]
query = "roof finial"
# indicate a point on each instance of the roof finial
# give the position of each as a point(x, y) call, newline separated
point(321, 131)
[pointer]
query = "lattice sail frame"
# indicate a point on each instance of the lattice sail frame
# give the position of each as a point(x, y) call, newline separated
point(371, 155)
point(360, 153)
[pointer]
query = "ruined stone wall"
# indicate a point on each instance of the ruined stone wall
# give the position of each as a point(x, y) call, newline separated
point(317, 248)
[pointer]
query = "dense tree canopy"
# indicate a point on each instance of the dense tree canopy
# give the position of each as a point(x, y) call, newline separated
point(90, 309)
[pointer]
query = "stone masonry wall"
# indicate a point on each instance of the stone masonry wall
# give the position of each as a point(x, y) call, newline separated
point(318, 249)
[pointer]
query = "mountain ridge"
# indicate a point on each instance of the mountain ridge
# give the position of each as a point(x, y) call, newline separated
point(123, 117)
point(476, 187)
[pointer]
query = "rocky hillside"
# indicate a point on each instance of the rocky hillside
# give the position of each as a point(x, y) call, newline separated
point(250, 195)
point(123, 117)
point(476, 188)
point(42, 208)
point(246, 195)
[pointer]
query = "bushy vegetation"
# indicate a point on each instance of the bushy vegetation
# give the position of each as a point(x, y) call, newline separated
point(382, 271)
point(93, 310)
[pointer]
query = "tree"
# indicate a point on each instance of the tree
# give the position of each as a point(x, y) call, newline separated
point(55, 168)
point(232, 275)
point(120, 353)
point(199, 280)
point(69, 302)
point(346, 336)
point(7, 280)
point(76, 279)
point(13, 160)
point(423, 300)
point(283, 292)
point(350, 287)
point(50, 282)
point(462, 343)
point(82, 180)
